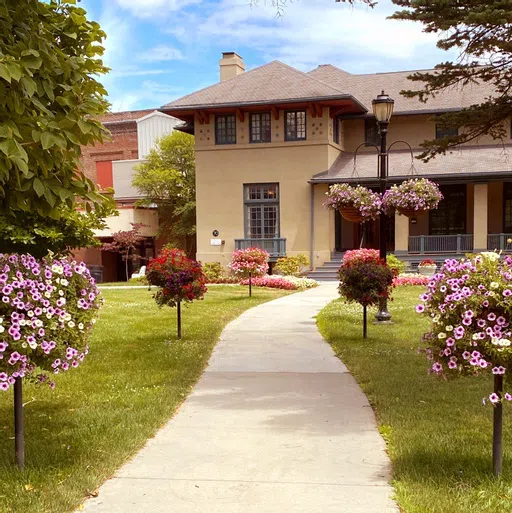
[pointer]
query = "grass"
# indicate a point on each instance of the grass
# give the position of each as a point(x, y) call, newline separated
point(99, 415)
point(439, 434)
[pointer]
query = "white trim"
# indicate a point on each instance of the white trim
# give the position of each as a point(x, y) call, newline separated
point(152, 114)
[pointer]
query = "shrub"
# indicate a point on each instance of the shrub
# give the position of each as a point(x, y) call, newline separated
point(180, 278)
point(47, 310)
point(396, 265)
point(291, 266)
point(251, 261)
point(141, 280)
point(212, 271)
point(365, 282)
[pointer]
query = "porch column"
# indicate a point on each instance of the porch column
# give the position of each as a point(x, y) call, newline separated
point(480, 218)
point(401, 234)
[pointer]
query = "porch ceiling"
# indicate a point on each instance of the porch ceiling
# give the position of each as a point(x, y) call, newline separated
point(463, 164)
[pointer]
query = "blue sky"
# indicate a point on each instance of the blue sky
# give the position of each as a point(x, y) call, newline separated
point(159, 50)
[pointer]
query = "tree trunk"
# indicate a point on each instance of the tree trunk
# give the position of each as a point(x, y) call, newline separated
point(250, 284)
point(178, 308)
point(19, 432)
point(497, 439)
point(126, 264)
point(365, 331)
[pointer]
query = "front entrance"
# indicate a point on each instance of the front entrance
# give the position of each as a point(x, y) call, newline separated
point(350, 235)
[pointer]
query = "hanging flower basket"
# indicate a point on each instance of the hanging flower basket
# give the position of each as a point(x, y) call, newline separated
point(356, 204)
point(412, 197)
point(351, 214)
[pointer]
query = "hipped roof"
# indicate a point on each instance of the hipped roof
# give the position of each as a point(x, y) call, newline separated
point(469, 162)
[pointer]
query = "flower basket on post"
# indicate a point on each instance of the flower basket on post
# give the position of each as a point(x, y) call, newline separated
point(356, 204)
point(47, 310)
point(365, 279)
point(249, 263)
point(179, 278)
point(469, 303)
point(412, 197)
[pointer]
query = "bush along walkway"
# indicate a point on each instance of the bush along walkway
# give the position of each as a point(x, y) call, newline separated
point(275, 424)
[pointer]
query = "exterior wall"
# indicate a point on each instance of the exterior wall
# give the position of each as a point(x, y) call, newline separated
point(324, 228)
point(220, 176)
point(122, 172)
point(122, 146)
point(131, 215)
point(151, 128)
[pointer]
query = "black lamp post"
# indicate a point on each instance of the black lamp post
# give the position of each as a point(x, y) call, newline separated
point(383, 110)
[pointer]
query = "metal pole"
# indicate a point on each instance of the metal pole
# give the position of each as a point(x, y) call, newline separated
point(364, 322)
point(179, 319)
point(250, 284)
point(497, 438)
point(19, 435)
point(312, 248)
point(383, 315)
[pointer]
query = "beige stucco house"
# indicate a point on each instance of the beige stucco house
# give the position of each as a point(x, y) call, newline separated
point(270, 141)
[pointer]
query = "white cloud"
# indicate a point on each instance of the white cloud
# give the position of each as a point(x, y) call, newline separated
point(313, 32)
point(154, 8)
point(161, 53)
point(136, 72)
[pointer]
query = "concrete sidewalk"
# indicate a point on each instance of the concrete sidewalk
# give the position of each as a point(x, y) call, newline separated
point(276, 424)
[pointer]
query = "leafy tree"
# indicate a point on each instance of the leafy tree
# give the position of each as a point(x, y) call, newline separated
point(50, 102)
point(480, 31)
point(168, 180)
point(124, 242)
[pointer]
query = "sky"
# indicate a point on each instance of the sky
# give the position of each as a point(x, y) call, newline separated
point(160, 50)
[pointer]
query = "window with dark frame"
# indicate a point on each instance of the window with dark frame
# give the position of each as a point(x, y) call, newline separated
point(371, 131)
point(336, 130)
point(442, 132)
point(261, 202)
point(259, 127)
point(295, 125)
point(225, 129)
point(450, 216)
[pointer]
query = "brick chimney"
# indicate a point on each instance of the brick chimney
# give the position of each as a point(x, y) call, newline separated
point(231, 65)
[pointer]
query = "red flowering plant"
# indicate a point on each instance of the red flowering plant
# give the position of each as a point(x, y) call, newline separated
point(179, 278)
point(365, 279)
point(249, 263)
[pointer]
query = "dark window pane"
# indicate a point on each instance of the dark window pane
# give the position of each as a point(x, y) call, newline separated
point(450, 216)
point(442, 132)
point(295, 126)
point(371, 131)
point(225, 129)
point(260, 127)
point(336, 130)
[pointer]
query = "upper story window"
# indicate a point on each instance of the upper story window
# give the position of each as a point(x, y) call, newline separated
point(371, 131)
point(260, 127)
point(225, 129)
point(442, 132)
point(295, 125)
point(336, 130)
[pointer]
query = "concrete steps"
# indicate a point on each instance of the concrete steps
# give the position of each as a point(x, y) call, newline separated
point(329, 270)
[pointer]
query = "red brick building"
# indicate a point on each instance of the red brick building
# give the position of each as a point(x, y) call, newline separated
point(112, 164)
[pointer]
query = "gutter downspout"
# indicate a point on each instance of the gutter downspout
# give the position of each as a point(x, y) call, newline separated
point(312, 249)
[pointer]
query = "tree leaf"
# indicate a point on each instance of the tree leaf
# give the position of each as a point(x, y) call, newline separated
point(38, 187)
point(47, 140)
point(5, 73)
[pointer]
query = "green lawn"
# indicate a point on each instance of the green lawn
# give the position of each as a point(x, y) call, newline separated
point(439, 434)
point(100, 414)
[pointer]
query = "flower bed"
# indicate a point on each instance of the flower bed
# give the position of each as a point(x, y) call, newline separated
point(366, 203)
point(47, 309)
point(412, 197)
point(282, 282)
point(411, 280)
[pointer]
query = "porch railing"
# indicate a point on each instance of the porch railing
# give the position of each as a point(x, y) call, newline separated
point(460, 243)
point(276, 247)
point(499, 241)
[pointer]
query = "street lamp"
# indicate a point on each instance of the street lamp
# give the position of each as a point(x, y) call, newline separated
point(383, 110)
